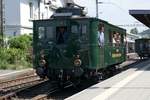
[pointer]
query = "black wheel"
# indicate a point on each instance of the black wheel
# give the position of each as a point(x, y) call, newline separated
point(40, 72)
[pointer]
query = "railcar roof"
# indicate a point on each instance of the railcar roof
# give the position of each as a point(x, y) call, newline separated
point(82, 18)
point(74, 17)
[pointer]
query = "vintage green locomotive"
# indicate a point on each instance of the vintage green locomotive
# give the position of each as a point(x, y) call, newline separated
point(66, 46)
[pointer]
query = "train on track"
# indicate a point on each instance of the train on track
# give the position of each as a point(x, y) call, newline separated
point(71, 46)
point(142, 47)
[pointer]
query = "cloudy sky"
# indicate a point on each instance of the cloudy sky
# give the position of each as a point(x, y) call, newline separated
point(117, 11)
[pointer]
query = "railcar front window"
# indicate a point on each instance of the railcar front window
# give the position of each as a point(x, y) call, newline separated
point(61, 35)
point(83, 29)
point(41, 31)
point(49, 32)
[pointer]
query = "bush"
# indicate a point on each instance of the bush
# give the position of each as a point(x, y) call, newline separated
point(12, 56)
point(22, 42)
point(18, 56)
point(1, 40)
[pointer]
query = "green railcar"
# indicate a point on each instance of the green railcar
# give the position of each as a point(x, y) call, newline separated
point(78, 54)
point(142, 47)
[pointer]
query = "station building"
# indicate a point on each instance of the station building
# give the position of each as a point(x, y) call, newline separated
point(18, 14)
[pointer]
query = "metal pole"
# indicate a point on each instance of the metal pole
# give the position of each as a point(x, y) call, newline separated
point(1, 22)
point(39, 8)
point(96, 8)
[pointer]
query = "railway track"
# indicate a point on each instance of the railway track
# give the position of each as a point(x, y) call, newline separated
point(17, 74)
point(33, 88)
point(62, 94)
point(54, 88)
point(45, 95)
point(9, 88)
point(41, 91)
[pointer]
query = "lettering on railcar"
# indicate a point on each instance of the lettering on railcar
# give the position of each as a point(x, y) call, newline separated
point(116, 55)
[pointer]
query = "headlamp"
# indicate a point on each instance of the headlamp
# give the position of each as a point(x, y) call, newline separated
point(42, 62)
point(77, 62)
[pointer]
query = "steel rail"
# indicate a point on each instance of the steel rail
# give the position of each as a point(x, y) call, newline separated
point(12, 84)
point(12, 94)
point(44, 96)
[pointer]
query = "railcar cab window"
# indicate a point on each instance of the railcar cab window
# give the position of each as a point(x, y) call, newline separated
point(74, 29)
point(41, 31)
point(80, 30)
point(45, 33)
point(49, 32)
point(61, 35)
point(83, 29)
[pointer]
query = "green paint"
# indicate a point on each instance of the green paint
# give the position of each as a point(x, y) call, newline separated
point(85, 45)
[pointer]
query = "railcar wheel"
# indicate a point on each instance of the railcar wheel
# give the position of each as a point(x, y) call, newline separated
point(76, 82)
point(40, 71)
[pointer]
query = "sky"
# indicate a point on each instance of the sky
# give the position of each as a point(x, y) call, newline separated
point(117, 11)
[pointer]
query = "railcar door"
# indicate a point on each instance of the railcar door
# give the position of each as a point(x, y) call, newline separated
point(80, 39)
point(95, 46)
point(101, 46)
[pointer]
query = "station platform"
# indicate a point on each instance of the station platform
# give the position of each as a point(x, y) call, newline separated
point(132, 55)
point(132, 84)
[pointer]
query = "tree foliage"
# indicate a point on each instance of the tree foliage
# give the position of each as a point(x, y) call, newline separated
point(22, 42)
point(1, 41)
point(17, 54)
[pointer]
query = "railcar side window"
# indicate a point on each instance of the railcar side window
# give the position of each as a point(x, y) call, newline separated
point(117, 38)
point(49, 32)
point(41, 31)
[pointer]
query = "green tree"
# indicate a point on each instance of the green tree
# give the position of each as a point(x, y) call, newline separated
point(19, 53)
point(12, 58)
point(22, 42)
point(134, 31)
point(1, 41)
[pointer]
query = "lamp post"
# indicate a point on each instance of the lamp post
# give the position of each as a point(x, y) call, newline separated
point(97, 2)
point(1, 23)
point(96, 8)
point(39, 9)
